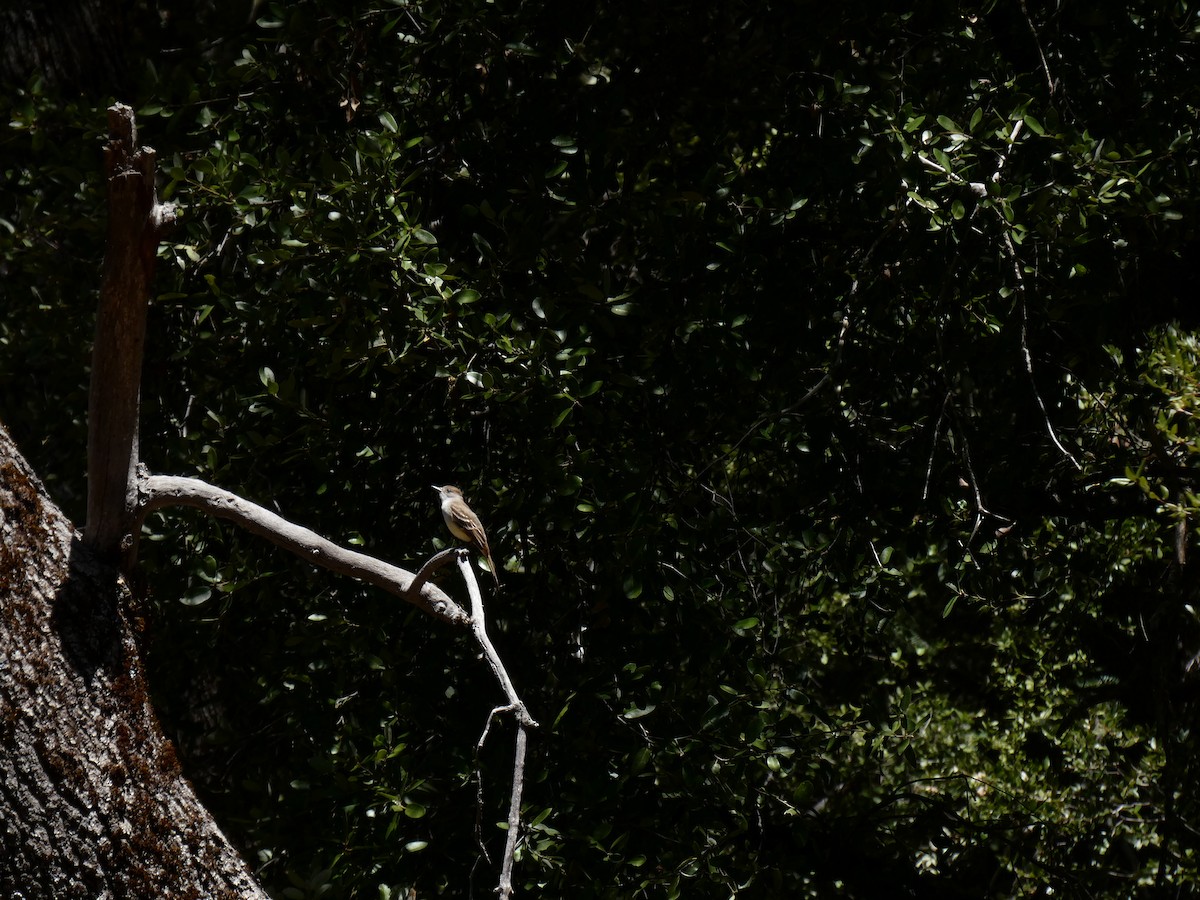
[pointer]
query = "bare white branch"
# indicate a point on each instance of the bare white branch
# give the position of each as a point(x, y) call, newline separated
point(517, 707)
point(479, 627)
point(505, 888)
point(159, 491)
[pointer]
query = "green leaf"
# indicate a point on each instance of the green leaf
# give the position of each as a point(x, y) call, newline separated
point(640, 759)
point(947, 123)
point(636, 712)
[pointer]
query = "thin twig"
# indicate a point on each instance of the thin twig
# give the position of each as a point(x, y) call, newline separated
point(937, 430)
point(1037, 42)
point(980, 510)
point(1016, 264)
point(790, 409)
point(498, 711)
point(1023, 294)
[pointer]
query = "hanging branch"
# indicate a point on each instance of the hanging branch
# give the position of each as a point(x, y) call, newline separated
point(1037, 394)
point(1037, 42)
point(505, 888)
point(517, 707)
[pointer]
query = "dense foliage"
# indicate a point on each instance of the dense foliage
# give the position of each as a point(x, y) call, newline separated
point(825, 376)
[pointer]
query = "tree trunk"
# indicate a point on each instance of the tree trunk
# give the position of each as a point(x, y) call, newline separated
point(92, 800)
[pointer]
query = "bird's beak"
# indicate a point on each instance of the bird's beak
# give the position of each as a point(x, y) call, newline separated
point(436, 487)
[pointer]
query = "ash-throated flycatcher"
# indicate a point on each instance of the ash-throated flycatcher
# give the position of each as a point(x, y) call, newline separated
point(464, 524)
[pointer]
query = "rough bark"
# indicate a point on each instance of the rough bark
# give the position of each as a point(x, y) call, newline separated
point(92, 800)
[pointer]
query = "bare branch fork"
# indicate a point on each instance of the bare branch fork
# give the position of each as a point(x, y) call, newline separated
point(435, 562)
point(516, 706)
point(121, 493)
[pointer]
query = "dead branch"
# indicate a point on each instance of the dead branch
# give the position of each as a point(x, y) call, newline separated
point(159, 491)
point(517, 707)
point(481, 635)
point(505, 888)
point(136, 223)
point(435, 562)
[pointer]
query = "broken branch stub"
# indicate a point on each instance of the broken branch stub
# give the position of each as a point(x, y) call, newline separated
point(136, 223)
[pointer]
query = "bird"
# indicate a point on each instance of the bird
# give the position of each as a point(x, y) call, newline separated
point(464, 524)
